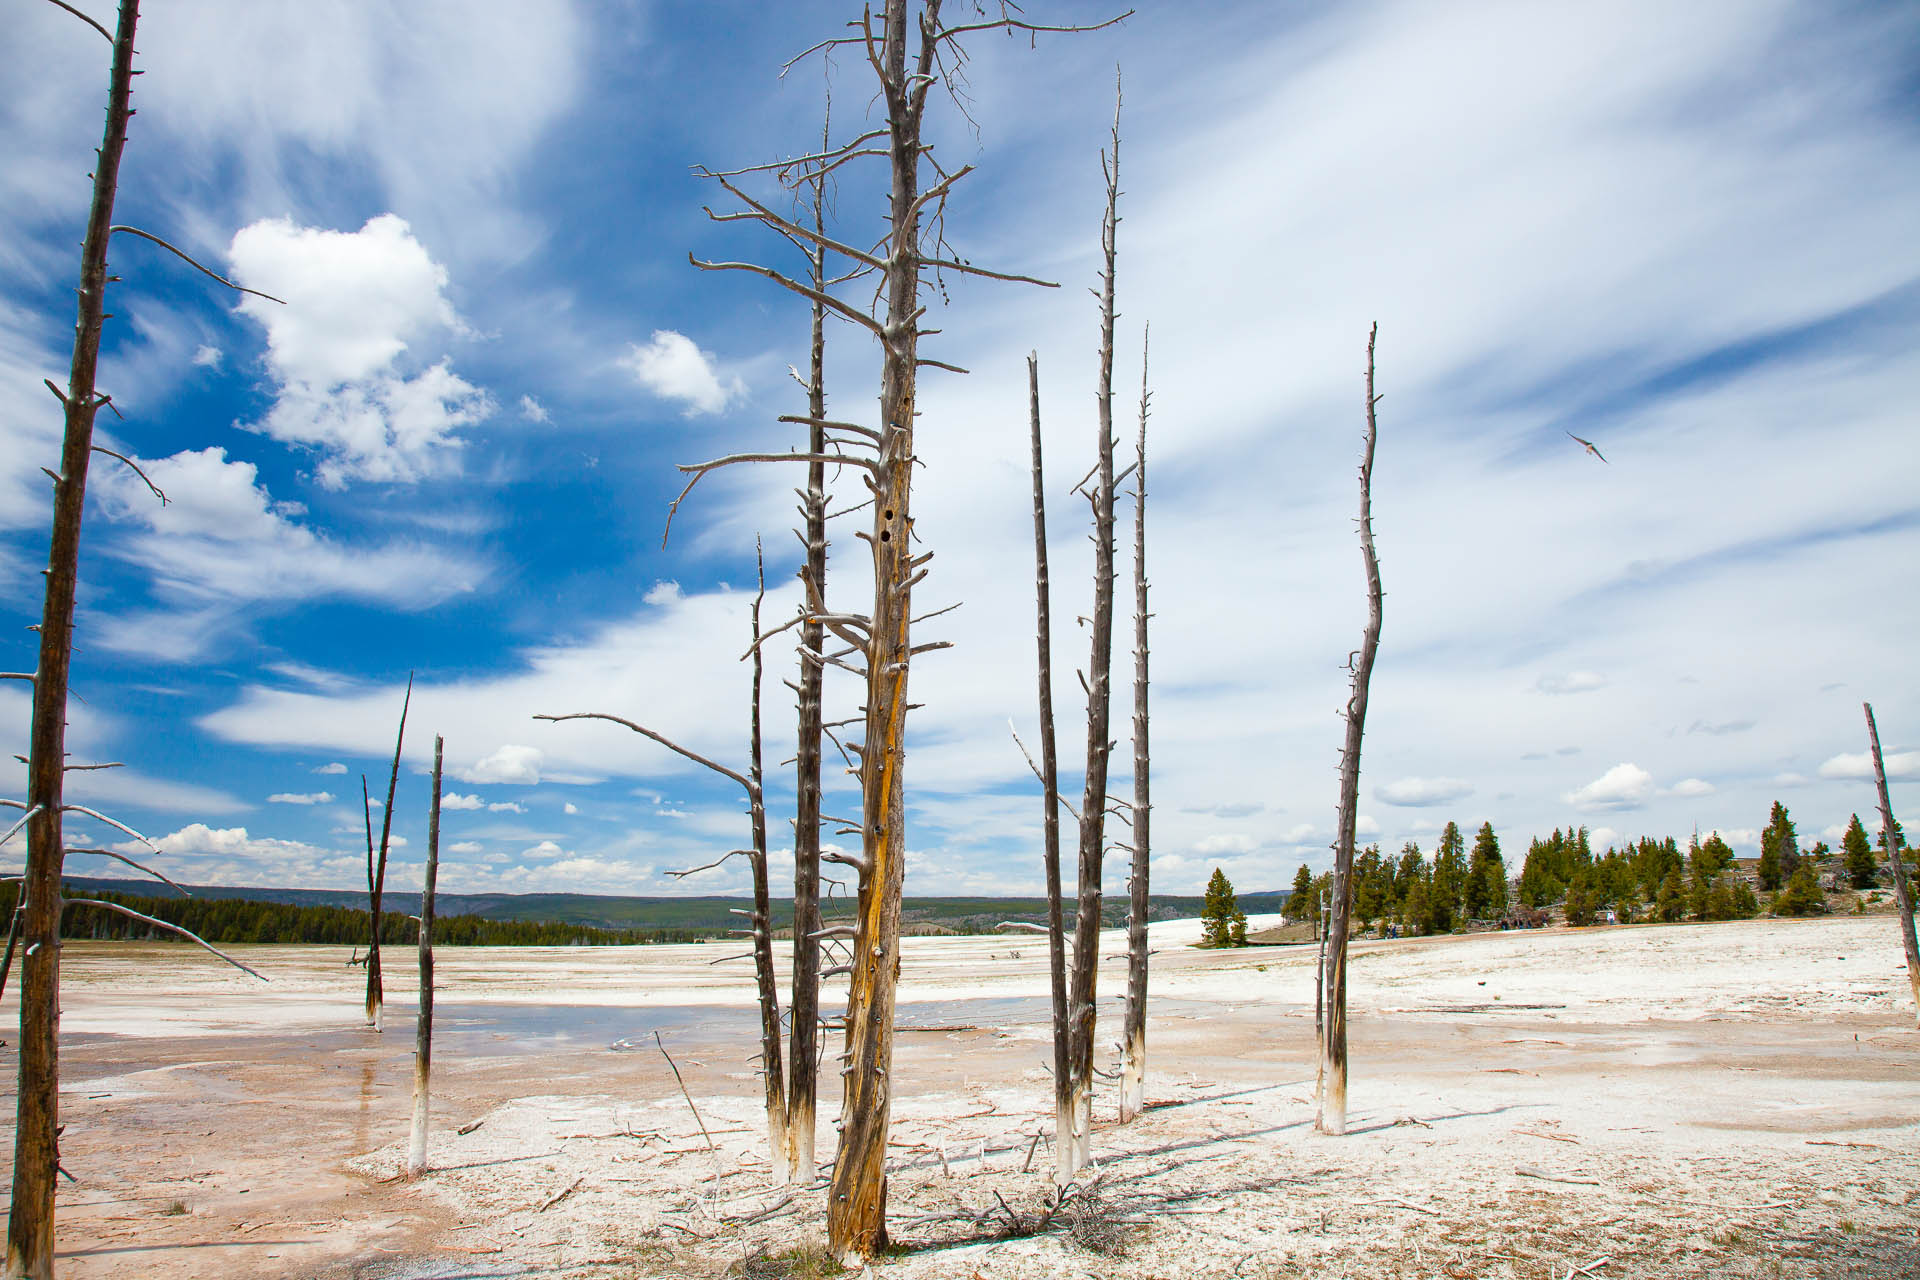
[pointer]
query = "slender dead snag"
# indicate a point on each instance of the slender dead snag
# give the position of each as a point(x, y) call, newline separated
point(803, 1058)
point(1333, 1041)
point(1133, 1034)
point(1049, 772)
point(36, 1155)
point(376, 996)
point(1890, 839)
point(760, 927)
point(423, 1032)
point(1093, 801)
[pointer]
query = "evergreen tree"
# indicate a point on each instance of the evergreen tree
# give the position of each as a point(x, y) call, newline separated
point(1369, 888)
point(1779, 849)
point(1221, 919)
point(1802, 896)
point(1671, 903)
point(1486, 888)
point(1447, 894)
point(1715, 855)
point(1580, 900)
point(1862, 866)
point(1300, 904)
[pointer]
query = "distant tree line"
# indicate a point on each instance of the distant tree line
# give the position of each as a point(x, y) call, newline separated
point(240, 920)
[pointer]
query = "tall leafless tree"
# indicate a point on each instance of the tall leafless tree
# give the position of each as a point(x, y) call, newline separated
point(1084, 977)
point(1897, 860)
point(1333, 1039)
point(760, 918)
point(30, 1222)
point(377, 868)
point(1133, 1032)
point(910, 53)
point(423, 1030)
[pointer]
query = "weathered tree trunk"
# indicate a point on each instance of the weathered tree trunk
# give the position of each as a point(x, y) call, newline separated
point(1133, 1035)
point(375, 994)
point(423, 1034)
point(772, 1075)
point(1902, 887)
point(857, 1199)
point(1333, 1048)
point(1093, 802)
point(804, 1038)
point(1063, 1114)
point(36, 1153)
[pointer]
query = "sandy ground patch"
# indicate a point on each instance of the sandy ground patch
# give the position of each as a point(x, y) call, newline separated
point(1674, 1101)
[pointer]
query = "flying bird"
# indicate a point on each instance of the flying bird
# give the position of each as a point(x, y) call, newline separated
point(1588, 446)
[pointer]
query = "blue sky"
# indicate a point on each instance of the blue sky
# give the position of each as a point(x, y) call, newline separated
point(1685, 232)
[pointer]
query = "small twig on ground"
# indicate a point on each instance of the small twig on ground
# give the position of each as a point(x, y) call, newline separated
point(1589, 1268)
point(1526, 1171)
point(689, 1097)
point(571, 1188)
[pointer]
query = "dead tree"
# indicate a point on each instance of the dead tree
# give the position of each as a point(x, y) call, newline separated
point(909, 54)
point(1085, 973)
point(1897, 858)
point(1333, 1040)
point(1133, 1033)
point(760, 919)
point(423, 1032)
point(30, 1242)
point(803, 1056)
point(1049, 773)
point(377, 868)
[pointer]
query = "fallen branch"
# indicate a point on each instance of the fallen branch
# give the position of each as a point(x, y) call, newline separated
point(1526, 1171)
point(571, 1188)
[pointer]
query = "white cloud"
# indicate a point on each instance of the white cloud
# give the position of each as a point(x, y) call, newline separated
point(1625, 786)
point(355, 302)
point(1688, 788)
point(504, 806)
point(1858, 766)
point(1365, 826)
point(510, 763)
point(207, 357)
point(288, 797)
point(672, 367)
point(545, 849)
point(454, 800)
point(1791, 780)
point(335, 767)
point(571, 808)
point(1231, 842)
point(1740, 837)
point(1416, 793)
point(1572, 682)
point(464, 846)
point(533, 411)
point(221, 542)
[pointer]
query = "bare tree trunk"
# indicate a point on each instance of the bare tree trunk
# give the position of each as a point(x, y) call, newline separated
point(1093, 803)
point(1902, 887)
point(423, 1034)
point(803, 1040)
point(773, 1076)
point(1333, 1049)
point(375, 994)
point(1063, 1114)
point(36, 1154)
point(1133, 1036)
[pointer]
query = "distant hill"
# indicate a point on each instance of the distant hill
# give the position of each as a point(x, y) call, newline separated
point(917, 915)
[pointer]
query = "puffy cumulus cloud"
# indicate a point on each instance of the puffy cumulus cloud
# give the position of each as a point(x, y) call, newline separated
point(673, 368)
point(289, 797)
point(1420, 793)
point(355, 303)
point(1366, 826)
point(510, 763)
point(1740, 837)
point(221, 541)
point(1625, 786)
point(1689, 787)
point(544, 850)
point(1572, 682)
point(504, 806)
point(454, 800)
point(571, 809)
point(335, 767)
point(464, 846)
point(1858, 766)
